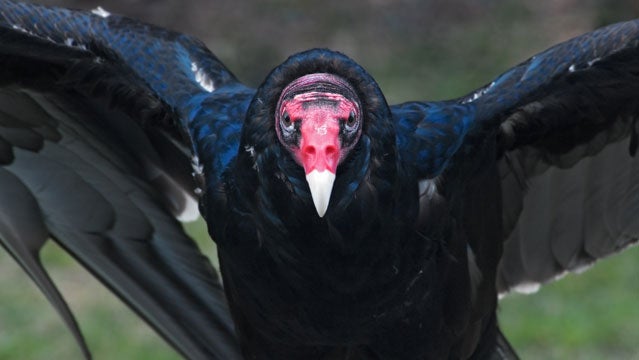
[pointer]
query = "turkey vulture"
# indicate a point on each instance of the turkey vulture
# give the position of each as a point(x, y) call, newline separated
point(346, 228)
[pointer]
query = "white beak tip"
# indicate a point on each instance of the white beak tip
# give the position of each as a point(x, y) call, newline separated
point(321, 186)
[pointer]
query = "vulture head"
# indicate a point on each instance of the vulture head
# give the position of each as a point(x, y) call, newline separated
point(320, 110)
point(318, 119)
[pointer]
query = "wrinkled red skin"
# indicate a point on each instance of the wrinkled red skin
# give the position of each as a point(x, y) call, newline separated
point(320, 115)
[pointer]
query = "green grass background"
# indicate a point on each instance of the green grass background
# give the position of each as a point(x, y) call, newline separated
point(416, 50)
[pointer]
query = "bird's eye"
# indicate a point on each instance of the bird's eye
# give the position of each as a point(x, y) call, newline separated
point(351, 122)
point(287, 124)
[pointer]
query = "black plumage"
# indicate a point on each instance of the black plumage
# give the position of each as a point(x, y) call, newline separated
point(409, 257)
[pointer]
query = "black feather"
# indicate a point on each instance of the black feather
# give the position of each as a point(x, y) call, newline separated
point(437, 208)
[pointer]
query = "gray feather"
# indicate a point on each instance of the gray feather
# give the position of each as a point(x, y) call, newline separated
point(22, 233)
point(99, 200)
point(573, 216)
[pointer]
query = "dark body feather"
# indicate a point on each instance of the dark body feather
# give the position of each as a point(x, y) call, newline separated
point(386, 265)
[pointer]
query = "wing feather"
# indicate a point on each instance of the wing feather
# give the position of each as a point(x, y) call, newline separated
point(22, 234)
point(96, 199)
point(104, 93)
point(576, 215)
point(566, 128)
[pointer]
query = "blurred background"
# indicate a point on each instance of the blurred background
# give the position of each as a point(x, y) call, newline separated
point(416, 50)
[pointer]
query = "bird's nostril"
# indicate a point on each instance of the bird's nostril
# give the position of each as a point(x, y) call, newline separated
point(331, 150)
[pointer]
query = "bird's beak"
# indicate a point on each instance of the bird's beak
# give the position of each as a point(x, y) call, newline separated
point(319, 155)
point(321, 185)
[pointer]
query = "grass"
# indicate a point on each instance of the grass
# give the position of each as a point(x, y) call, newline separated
point(30, 328)
point(593, 315)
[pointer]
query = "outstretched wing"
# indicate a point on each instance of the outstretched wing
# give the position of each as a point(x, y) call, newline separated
point(564, 123)
point(101, 120)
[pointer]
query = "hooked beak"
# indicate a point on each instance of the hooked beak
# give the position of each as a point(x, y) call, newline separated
point(321, 120)
point(321, 185)
point(319, 154)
